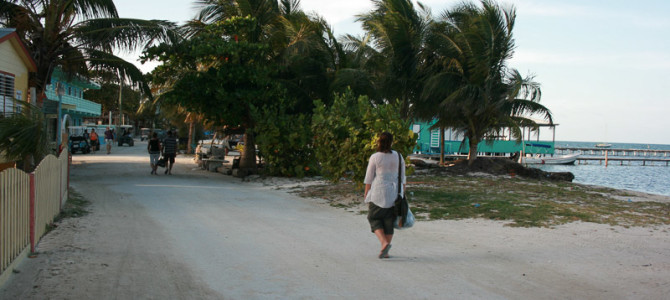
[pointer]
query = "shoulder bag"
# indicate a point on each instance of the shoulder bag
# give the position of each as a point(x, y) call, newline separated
point(404, 217)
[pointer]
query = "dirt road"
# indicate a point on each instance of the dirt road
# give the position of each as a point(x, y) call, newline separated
point(202, 235)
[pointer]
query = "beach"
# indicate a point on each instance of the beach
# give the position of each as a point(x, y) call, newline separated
point(204, 235)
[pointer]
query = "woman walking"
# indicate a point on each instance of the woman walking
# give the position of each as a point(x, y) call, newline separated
point(381, 190)
point(154, 149)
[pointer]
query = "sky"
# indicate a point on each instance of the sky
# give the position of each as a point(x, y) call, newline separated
point(604, 65)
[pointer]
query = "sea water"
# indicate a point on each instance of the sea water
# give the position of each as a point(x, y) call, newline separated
point(654, 179)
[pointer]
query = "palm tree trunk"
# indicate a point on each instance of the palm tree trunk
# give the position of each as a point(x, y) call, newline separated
point(472, 153)
point(191, 133)
point(441, 145)
point(28, 163)
point(248, 155)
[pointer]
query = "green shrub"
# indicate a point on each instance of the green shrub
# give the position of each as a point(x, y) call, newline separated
point(284, 141)
point(345, 134)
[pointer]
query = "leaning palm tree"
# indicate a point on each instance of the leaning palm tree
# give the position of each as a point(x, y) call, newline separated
point(80, 35)
point(471, 83)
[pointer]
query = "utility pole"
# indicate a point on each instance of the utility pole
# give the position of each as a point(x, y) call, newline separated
point(121, 121)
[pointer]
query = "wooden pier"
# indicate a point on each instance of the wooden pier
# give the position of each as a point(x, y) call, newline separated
point(640, 157)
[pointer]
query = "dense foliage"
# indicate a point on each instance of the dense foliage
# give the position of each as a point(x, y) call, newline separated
point(346, 134)
point(285, 141)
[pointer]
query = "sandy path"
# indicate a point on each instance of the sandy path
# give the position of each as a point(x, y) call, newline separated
point(201, 235)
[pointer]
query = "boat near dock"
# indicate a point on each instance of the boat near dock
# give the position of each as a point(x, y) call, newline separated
point(550, 160)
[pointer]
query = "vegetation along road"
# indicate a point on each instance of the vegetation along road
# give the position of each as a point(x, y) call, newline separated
point(201, 235)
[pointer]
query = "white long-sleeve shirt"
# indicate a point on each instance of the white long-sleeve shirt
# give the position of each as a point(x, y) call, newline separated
point(382, 176)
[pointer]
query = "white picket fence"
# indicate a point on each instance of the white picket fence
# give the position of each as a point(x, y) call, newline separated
point(28, 203)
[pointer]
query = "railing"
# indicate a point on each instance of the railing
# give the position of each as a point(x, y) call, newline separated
point(82, 105)
point(643, 157)
point(29, 202)
point(614, 152)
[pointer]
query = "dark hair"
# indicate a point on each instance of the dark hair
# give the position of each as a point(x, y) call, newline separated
point(384, 143)
point(155, 135)
point(169, 133)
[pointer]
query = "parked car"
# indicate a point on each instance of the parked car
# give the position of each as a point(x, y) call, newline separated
point(126, 139)
point(79, 143)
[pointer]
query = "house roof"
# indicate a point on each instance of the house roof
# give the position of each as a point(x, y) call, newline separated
point(9, 35)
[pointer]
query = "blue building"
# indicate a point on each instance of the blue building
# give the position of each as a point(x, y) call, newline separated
point(428, 142)
point(74, 103)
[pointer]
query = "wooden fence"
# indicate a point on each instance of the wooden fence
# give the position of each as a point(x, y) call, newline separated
point(28, 203)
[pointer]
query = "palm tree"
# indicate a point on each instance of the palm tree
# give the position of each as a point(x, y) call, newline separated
point(79, 35)
point(23, 136)
point(476, 92)
point(399, 31)
point(360, 69)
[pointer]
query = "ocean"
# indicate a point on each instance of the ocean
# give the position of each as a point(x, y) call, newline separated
point(654, 179)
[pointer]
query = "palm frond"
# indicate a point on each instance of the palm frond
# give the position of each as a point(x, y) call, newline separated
point(24, 134)
point(126, 34)
point(100, 60)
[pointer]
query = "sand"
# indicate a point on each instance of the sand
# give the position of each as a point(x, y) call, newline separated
point(203, 235)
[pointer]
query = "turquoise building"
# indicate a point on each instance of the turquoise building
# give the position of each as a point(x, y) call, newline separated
point(73, 105)
point(428, 142)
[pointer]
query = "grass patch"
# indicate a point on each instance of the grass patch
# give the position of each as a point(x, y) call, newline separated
point(520, 202)
point(74, 207)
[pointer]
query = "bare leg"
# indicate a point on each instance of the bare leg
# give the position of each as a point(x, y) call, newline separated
point(384, 239)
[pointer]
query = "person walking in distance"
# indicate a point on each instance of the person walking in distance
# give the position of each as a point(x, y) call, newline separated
point(169, 151)
point(154, 149)
point(381, 190)
point(95, 143)
point(109, 139)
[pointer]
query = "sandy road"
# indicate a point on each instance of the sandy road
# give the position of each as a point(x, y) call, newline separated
point(201, 235)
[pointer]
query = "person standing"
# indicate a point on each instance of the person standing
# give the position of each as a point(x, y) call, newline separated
point(154, 149)
point(86, 139)
point(109, 139)
point(169, 151)
point(381, 190)
point(95, 143)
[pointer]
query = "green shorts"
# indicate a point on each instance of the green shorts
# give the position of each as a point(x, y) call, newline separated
point(381, 218)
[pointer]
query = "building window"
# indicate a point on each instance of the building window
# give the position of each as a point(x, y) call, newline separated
point(417, 129)
point(7, 104)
